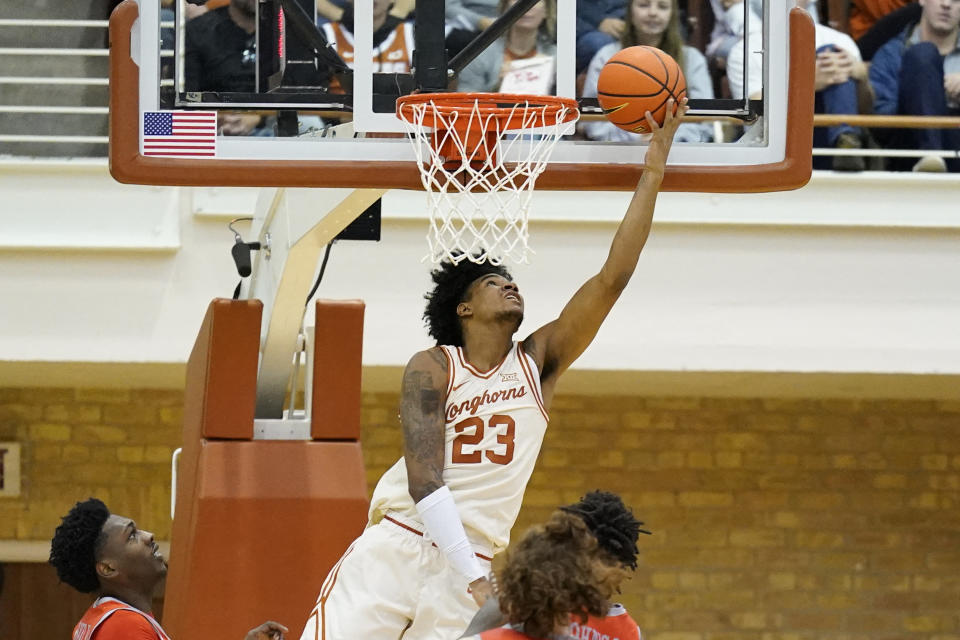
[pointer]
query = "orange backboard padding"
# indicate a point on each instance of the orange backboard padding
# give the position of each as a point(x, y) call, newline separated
point(222, 370)
point(129, 166)
point(337, 369)
point(219, 398)
point(271, 518)
point(258, 523)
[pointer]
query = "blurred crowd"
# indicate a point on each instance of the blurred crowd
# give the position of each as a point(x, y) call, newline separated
point(886, 57)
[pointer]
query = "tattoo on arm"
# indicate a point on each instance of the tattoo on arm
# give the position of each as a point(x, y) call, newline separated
point(421, 412)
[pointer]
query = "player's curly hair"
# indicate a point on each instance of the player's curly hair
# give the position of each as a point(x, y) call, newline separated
point(612, 523)
point(555, 570)
point(77, 543)
point(451, 282)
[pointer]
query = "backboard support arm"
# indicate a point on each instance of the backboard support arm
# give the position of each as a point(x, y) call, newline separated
point(282, 276)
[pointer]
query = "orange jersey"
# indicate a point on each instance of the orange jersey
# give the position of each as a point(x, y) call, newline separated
point(616, 625)
point(111, 619)
point(865, 13)
point(502, 633)
point(393, 55)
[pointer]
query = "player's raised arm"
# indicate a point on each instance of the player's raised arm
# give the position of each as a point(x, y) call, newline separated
point(559, 343)
point(421, 414)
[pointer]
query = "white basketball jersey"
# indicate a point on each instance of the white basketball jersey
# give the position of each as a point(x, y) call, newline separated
point(495, 423)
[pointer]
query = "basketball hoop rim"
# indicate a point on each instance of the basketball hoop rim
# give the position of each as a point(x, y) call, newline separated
point(505, 107)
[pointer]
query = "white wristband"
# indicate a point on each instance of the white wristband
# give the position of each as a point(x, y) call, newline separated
point(442, 521)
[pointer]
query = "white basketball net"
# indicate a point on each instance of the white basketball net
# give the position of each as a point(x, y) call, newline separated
point(479, 203)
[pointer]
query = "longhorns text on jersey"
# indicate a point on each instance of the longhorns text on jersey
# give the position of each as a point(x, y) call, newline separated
point(495, 423)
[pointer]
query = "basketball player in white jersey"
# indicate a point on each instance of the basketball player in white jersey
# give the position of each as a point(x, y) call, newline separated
point(474, 412)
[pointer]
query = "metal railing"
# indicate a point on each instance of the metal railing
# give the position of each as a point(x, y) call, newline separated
point(48, 81)
point(36, 22)
point(887, 122)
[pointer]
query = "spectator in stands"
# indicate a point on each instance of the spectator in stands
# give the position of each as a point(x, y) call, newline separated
point(728, 25)
point(599, 23)
point(221, 56)
point(840, 82)
point(529, 45)
point(654, 23)
point(918, 73)
point(95, 551)
point(465, 20)
point(887, 28)
point(392, 41)
point(856, 17)
point(192, 10)
point(342, 11)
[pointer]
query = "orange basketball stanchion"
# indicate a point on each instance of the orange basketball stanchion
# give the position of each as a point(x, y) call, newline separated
point(338, 336)
point(221, 380)
point(258, 522)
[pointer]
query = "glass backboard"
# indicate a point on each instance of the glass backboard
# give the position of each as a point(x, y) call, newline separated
point(282, 97)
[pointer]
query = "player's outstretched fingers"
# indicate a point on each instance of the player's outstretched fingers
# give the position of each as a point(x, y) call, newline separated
point(269, 630)
point(651, 123)
point(675, 113)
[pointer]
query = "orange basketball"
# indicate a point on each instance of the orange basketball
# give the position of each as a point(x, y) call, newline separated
point(637, 80)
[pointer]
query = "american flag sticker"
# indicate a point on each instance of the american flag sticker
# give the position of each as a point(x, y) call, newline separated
point(180, 134)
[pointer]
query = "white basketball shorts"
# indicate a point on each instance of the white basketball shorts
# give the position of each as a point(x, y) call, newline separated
point(392, 583)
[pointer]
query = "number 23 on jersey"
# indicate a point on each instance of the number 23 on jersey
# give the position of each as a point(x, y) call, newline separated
point(470, 434)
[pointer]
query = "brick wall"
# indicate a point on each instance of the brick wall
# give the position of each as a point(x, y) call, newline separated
point(111, 444)
point(773, 519)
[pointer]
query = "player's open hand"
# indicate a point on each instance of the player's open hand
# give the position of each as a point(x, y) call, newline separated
point(269, 630)
point(662, 138)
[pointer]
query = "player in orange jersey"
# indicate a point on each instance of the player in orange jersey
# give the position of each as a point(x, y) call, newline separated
point(616, 531)
point(95, 551)
point(474, 412)
point(556, 572)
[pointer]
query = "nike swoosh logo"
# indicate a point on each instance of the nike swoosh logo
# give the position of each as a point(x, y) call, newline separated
point(459, 385)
